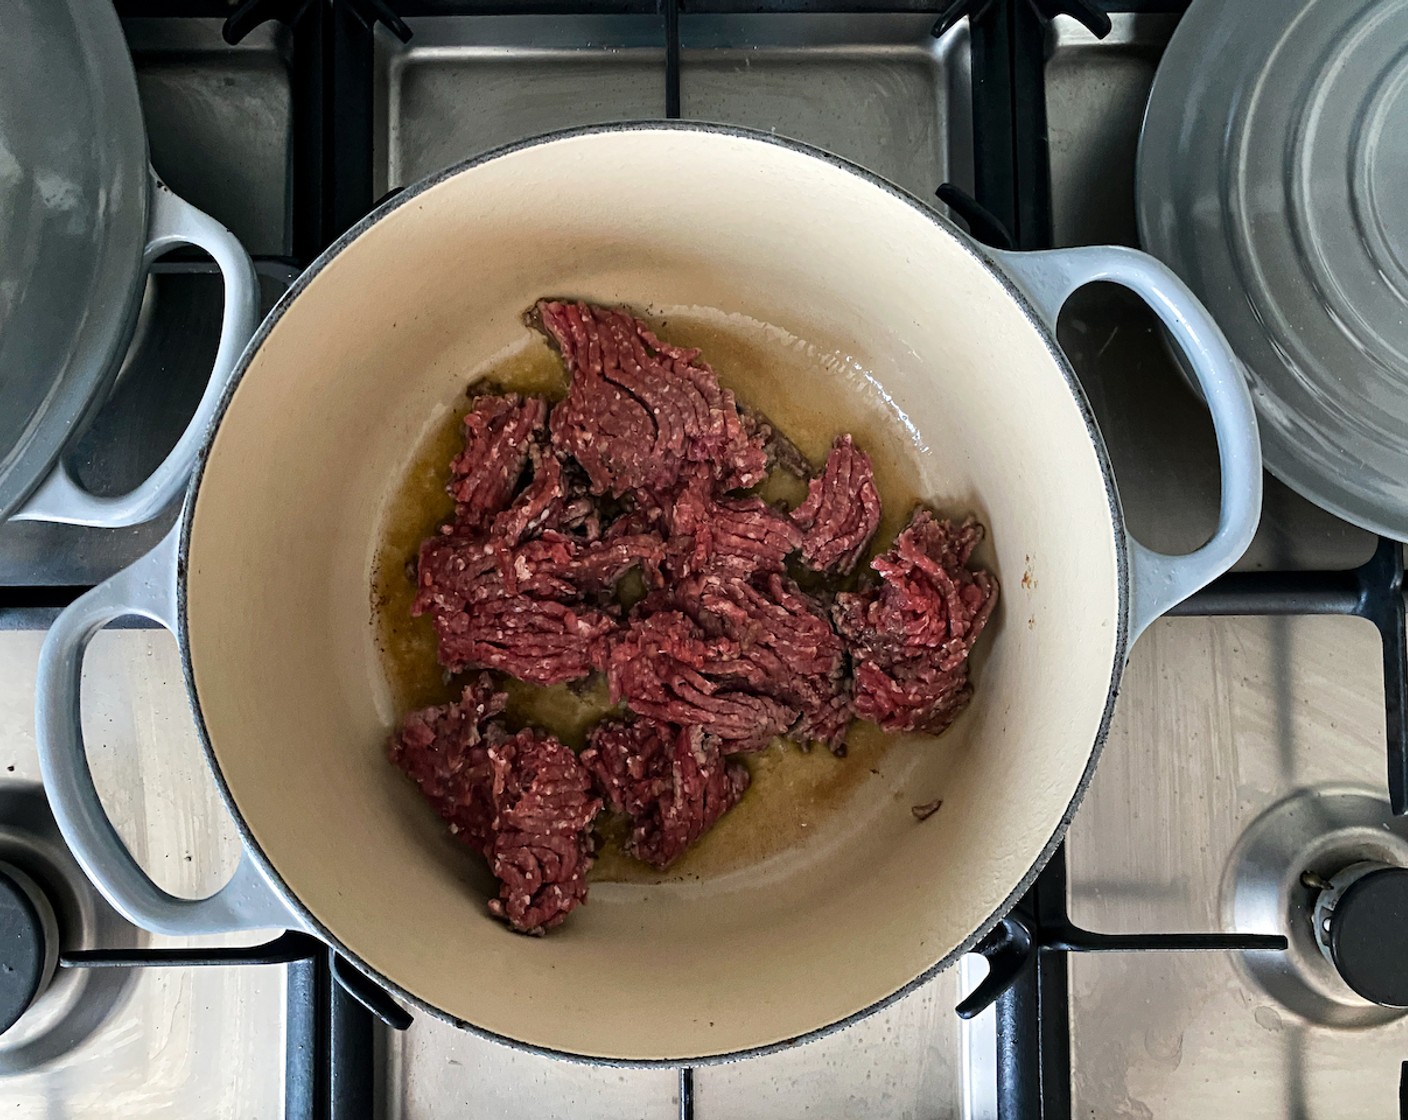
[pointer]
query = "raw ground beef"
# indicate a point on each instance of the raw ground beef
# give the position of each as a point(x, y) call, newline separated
point(639, 408)
point(556, 498)
point(746, 659)
point(758, 649)
point(664, 667)
point(524, 802)
point(544, 808)
point(539, 611)
point(499, 598)
point(671, 781)
point(841, 511)
point(786, 649)
point(556, 564)
point(708, 531)
point(911, 632)
point(498, 434)
point(639, 469)
point(443, 750)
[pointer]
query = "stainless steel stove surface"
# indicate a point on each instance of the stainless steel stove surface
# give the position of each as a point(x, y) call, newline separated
point(1244, 770)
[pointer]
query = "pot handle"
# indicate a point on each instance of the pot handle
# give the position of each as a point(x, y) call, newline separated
point(1159, 581)
point(147, 589)
point(171, 222)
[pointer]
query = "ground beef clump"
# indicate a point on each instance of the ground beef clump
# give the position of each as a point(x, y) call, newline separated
point(498, 437)
point(707, 531)
point(786, 649)
point(442, 749)
point(539, 611)
point(736, 632)
point(671, 781)
point(524, 802)
point(664, 667)
point(746, 659)
point(639, 408)
point(544, 810)
point(482, 624)
point(729, 642)
point(841, 511)
point(518, 580)
point(556, 499)
point(910, 633)
point(524, 583)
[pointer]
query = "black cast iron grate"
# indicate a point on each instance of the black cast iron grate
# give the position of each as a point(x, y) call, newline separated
point(330, 1053)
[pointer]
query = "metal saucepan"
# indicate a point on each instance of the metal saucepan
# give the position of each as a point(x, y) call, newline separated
point(82, 216)
point(266, 582)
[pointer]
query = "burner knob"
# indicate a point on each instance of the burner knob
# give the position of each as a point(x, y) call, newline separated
point(29, 944)
point(1361, 924)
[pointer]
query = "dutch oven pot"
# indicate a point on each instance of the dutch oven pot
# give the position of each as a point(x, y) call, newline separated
point(266, 582)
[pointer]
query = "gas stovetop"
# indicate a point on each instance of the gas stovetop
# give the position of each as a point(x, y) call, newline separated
point(1242, 790)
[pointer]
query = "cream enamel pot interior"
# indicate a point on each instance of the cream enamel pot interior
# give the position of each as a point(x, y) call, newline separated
point(267, 580)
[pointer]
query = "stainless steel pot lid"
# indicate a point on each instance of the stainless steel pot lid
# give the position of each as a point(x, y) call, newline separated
point(74, 186)
point(1273, 177)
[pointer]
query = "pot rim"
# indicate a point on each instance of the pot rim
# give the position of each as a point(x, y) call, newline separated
point(969, 245)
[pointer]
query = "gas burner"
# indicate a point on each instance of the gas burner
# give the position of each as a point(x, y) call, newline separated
point(29, 943)
point(1326, 867)
point(47, 906)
